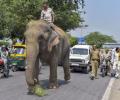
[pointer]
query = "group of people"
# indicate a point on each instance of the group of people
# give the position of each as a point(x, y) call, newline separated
point(108, 57)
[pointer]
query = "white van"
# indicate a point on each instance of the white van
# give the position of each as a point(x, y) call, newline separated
point(80, 57)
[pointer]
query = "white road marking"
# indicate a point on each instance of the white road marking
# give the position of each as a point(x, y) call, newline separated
point(108, 90)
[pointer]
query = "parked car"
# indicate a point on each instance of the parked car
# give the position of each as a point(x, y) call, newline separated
point(80, 58)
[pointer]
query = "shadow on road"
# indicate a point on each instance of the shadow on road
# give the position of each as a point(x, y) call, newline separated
point(45, 83)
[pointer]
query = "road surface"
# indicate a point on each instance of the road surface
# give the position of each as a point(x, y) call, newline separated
point(79, 88)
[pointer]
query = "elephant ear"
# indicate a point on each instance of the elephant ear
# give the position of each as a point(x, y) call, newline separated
point(53, 41)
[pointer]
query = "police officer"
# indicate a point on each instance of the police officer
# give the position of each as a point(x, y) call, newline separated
point(95, 60)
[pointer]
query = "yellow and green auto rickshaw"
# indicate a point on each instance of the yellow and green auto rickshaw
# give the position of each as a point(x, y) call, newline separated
point(18, 57)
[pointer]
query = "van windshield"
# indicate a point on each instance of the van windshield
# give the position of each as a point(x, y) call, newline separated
point(81, 51)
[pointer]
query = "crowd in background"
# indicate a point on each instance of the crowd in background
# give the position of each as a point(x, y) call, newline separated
point(108, 58)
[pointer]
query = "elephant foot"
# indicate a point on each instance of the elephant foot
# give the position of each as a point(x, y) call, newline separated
point(30, 90)
point(53, 86)
point(67, 78)
point(30, 93)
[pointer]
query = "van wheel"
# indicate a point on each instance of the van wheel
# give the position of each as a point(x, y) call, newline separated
point(73, 70)
point(87, 69)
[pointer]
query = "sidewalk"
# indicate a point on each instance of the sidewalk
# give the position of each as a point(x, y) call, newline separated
point(115, 90)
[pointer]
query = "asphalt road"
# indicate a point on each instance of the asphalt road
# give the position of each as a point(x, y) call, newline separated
point(79, 88)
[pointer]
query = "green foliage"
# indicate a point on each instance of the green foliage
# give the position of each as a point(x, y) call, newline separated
point(98, 39)
point(15, 14)
point(67, 21)
point(66, 11)
point(4, 43)
point(39, 91)
point(73, 40)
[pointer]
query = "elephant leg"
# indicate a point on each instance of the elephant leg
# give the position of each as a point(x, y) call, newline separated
point(32, 53)
point(53, 73)
point(66, 66)
point(30, 79)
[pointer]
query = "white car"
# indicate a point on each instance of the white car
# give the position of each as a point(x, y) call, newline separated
point(80, 57)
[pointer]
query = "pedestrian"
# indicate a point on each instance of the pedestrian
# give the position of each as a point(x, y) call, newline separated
point(102, 55)
point(95, 61)
point(116, 62)
point(113, 55)
point(108, 60)
point(4, 56)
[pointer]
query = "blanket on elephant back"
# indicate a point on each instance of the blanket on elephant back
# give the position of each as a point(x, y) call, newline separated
point(33, 24)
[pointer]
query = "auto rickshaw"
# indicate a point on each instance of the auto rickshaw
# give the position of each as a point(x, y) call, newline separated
point(18, 57)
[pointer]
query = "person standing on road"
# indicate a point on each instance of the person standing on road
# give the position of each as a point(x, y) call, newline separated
point(4, 56)
point(108, 60)
point(95, 61)
point(116, 62)
point(102, 55)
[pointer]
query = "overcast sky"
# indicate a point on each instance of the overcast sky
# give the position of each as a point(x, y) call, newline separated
point(102, 16)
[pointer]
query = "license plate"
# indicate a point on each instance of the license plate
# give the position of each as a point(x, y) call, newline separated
point(73, 64)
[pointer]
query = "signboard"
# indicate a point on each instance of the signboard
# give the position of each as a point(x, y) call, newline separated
point(81, 40)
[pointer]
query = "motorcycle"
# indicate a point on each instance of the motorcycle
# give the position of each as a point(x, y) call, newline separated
point(105, 67)
point(13, 64)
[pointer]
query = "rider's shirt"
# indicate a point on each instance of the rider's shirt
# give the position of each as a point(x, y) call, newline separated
point(47, 15)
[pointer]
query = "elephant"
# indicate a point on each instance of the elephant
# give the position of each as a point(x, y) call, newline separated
point(49, 45)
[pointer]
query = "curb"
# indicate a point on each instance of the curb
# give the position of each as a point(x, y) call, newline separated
point(108, 90)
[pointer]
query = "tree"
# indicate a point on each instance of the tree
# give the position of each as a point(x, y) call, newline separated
point(72, 39)
point(15, 14)
point(98, 39)
point(67, 14)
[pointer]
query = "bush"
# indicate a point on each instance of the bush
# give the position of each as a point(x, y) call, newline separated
point(4, 43)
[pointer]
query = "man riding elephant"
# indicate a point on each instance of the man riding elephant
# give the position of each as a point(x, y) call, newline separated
point(47, 13)
point(43, 43)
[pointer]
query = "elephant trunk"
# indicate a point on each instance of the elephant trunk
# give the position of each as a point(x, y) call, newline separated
point(32, 53)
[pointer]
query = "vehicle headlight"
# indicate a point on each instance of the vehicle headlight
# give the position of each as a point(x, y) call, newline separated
point(86, 60)
point(83, 61)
